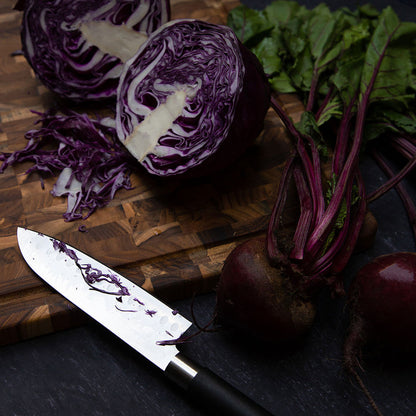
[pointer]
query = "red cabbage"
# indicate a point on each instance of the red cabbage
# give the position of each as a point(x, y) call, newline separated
point(77, 47)
point(192, 99)
point(92, 164)
point(223, 97)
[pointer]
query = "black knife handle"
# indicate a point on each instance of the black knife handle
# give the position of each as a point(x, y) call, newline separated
point(210, 391)
point(222, 398)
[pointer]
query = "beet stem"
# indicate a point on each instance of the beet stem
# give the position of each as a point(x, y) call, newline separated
point(305, 217)
point(318, 236)
point(402, 192)
point(342, 139)
point(405, 145)
point(394, 180)
point(318, 220)
point(273, 252)
point(344, 255)
point(325, 261)
point(312, 167)
point(312, 91)
point(325, 102)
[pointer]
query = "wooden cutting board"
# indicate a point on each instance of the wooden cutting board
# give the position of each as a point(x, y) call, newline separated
point(171, 237)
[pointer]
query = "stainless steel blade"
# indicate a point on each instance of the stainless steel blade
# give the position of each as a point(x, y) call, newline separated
point(133, 314)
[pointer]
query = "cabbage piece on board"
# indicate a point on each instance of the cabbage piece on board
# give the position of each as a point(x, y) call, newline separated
point(191, 100)
point(77, 47)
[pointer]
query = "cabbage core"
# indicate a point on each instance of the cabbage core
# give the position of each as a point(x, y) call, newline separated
point(180, 97)
point(120, 41)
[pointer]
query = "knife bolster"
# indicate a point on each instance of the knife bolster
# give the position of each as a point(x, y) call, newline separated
point(182, 371)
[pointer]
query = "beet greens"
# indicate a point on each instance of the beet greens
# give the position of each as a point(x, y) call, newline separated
point(355, 73)
point(352, 70)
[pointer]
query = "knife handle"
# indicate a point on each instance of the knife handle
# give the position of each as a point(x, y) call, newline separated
point(211, 391)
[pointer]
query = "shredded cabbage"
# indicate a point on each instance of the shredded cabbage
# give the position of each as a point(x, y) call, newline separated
point(91, 163)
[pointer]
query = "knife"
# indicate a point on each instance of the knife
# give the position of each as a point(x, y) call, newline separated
point(134, 315)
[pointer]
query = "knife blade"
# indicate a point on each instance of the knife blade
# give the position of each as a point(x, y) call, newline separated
point(134, 315)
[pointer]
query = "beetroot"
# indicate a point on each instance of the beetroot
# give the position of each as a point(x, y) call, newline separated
point(383, 305)
point(259, 298)
point(382, 299)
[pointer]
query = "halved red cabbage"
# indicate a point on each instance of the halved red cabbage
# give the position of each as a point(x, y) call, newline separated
point(77, 47)
point(191, 100)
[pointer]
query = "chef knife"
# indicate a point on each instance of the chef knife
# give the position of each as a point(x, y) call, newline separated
point(134, 315)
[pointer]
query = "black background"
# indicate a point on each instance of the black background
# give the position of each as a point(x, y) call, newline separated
point(87, 371)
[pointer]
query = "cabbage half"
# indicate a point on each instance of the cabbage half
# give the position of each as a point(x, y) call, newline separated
point(77, 47)
point(191, 100)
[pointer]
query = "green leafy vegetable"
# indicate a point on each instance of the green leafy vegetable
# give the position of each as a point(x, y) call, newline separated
point(355, 72)
point(327, 56)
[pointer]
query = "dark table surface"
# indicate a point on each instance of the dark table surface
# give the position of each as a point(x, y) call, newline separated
point(87, 371)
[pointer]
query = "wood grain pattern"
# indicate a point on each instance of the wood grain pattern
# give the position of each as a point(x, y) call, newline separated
point(169, 236)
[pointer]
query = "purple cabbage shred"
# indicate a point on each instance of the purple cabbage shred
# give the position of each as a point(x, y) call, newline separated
point(138, 301)
point(125, 310)
point(90, 274)
point(91, 163)
point(63, 248)
point(93, 276)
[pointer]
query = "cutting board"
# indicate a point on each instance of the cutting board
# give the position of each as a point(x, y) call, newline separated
point(169, 236)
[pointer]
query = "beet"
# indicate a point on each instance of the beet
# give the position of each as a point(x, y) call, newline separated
point(382, 300)
point(258, 298)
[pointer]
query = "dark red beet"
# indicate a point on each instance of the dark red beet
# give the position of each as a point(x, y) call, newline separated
point(259, 299)
point(383, 301)
point(383, 308)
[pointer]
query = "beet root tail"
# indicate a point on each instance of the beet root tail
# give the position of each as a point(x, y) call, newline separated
point(352, 353)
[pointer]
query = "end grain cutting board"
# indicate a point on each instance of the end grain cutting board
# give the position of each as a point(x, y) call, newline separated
point(170, 237)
